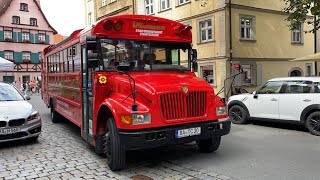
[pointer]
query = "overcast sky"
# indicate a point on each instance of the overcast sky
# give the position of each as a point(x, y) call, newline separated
point(64, 15)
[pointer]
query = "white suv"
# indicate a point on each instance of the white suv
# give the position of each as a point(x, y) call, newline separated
point(291, 99)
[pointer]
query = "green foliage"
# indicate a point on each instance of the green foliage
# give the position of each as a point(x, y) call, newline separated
point(298, 13)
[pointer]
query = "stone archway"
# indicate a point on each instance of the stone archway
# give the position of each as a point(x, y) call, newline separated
point(295, 72)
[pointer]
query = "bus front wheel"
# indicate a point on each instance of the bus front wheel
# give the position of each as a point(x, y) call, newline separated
point(54, 114)
point(112, 148)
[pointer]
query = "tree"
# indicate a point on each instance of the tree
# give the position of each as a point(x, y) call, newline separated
point(298, 13)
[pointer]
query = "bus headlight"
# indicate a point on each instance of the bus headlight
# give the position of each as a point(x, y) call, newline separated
point(141, 119)
point(221, 111)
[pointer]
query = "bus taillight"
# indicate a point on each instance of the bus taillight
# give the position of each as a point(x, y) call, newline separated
point(107, 25)
point(118, 25)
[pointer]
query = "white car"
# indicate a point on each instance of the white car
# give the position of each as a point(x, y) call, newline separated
point(290, 99)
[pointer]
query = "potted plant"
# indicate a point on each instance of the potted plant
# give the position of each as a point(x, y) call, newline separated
point(27, 60)
point(42, 42)
point(8, 39)
point(26, 41)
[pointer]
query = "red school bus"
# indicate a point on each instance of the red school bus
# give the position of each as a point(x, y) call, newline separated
point(128, 82)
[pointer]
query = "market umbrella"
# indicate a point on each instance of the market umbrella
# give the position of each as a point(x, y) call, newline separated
point(6, 65)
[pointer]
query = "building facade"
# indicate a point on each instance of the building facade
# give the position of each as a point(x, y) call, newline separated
point(90, 14)
point(105, 8)
point(24, 33)
point(258, 38)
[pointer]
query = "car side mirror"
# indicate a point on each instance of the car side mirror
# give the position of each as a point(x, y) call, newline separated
point(255, 94)
point(195, 66)
point(26, 97)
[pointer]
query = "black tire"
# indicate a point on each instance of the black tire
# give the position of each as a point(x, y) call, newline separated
point(55, 117)
point(209, 145)
point(238, 115)
point(313, 123)
point(32, 139)
point(116, 155)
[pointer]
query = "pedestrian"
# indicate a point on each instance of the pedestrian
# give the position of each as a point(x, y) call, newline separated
point(37, 87)
point(31, 85)
point(24, 88)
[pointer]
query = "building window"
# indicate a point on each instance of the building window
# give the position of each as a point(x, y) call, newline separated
point(23, 7)
point(207, 73)
point(41, 37)
point(247, 74)
point(149, 6)
point(296, 35)
point(183, 1)
point(246, 28)
point(33, 21)
point(8, 35)
point(103, 3)
point(8, 55)
point(15, 20)
point(205, 30)
point(89, 19)
point(308, 69)
point(25, 36)
point(164, 4)
point(26, 56)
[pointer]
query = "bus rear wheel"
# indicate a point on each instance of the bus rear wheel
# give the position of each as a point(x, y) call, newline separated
point(116, 155)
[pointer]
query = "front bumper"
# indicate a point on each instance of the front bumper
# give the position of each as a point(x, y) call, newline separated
point(157, 137)
point(27, 130)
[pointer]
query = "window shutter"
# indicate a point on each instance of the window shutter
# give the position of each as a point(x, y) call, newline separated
point(47, 39)
point(1, 36)
point(2, 54)
point(19, 37)
point(31, 38)
point(17, 57)
point(35, 58)
point(36, 40)
point(259, 74)
point(14, 36)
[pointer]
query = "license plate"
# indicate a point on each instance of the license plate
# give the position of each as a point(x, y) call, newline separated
point(9, 131)
point(188, 132)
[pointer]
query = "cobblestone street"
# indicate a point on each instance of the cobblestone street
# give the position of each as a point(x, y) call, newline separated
point(60, 153)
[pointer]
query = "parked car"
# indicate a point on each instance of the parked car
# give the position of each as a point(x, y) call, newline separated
point(18, 118)
point(291, 99)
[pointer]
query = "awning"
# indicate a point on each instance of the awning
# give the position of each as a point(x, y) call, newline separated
point(311, 57)
point(6, 65)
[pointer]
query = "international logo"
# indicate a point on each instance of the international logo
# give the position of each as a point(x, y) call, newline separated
point(184, 89)
point(102, 79)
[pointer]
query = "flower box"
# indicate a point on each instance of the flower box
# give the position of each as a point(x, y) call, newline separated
point(42, 42)
point(8, 39)
point(26, 41)
point(27, 60)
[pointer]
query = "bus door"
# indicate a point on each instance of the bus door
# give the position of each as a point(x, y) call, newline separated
point(87, 105)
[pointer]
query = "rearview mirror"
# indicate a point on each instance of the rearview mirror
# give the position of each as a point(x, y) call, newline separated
point(93, 60)
point(255, 94)
point(195, 66)
point(194, 55)
point(125, 67)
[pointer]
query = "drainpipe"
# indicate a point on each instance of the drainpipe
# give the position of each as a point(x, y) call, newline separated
point(230, 49)
point(315, 46)
point(132, 6)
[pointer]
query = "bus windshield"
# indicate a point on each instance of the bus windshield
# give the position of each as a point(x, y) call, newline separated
point(147, 55)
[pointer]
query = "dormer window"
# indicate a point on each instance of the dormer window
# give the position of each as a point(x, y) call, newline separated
point(23, 7)
point(33, 21)
point(15, 20)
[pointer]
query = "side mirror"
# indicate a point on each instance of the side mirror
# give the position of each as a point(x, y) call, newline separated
point(93, 60)
point(194, 55)
point(91, 43)
point(26, 97)
point(255, 94)
point(195, 66)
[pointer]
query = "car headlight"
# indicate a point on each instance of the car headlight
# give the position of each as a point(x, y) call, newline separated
point(221, 111)
point(136, 119)
point(34, 115)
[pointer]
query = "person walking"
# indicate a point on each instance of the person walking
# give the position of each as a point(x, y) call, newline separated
point(31, 85)
point(24, 88)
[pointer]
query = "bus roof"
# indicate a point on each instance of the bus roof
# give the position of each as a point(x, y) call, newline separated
point(136, 27)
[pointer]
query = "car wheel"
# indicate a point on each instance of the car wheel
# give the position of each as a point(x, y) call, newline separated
point(116, 155)
point(209, 145)
point(55, 118)
point(32, 139)
point(238, 115)
point(313, 123)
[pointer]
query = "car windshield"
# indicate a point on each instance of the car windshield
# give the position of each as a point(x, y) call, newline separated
point(147, 55)
point(9, 93)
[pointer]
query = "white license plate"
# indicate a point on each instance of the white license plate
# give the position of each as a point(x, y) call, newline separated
point(188, 132)
point(9, 131)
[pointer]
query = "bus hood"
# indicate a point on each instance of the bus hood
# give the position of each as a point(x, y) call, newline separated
point(161, 82)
